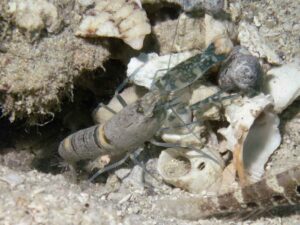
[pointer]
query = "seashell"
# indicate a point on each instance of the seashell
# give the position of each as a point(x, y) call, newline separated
point(191, 169)
point(146, 68)
point(252, 135)
point(130, 95)
point(240, 71)
point(250, 38)
point(119, 18)
point(35, 15)
point(287, 78)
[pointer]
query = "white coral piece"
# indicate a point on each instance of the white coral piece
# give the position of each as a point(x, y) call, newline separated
point(35, 15)
point(119, 18)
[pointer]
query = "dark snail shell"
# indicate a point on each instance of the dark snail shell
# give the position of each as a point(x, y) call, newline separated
point(241, 71)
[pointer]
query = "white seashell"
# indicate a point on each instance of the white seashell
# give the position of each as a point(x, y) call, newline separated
point(146, 68)
point(252, 135)
point(130, 95)
point(35, 15)
point(287, 78)
point(119, 18)
point(190, 169)
point(250, 38)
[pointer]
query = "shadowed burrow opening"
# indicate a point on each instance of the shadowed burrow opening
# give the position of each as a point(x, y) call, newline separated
point(162, 11)
point(24, 147)
point(223, 208)
point(177, 166)
point(298, 190)
point(157, 14)
point(252, 205)
point(184, 162)
point(277, 198)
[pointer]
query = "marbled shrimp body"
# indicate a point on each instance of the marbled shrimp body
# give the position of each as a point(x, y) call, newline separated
point(138, 122)
point(188, 71)
point(124, 132)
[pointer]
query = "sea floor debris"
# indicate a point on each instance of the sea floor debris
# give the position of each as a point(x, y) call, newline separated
point(128, 195)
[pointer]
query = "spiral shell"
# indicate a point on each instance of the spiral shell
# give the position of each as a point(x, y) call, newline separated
point(191, 169)
point(240, 71)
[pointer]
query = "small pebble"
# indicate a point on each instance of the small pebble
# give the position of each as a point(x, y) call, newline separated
point(12, 179)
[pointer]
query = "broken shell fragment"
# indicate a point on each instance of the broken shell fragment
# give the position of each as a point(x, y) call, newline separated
point(120, 18)
point(146, 68)
point(286, 77)
point(240, 71)
point(252, 135)
point(191, 169)
point(250, 38)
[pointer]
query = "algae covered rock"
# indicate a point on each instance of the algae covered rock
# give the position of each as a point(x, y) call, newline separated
point(40, 56)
